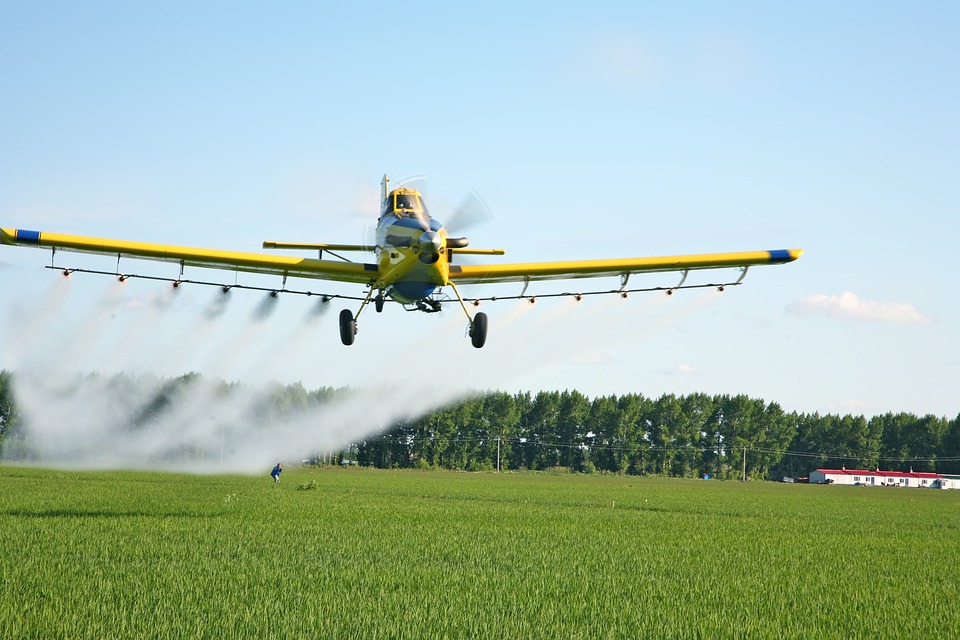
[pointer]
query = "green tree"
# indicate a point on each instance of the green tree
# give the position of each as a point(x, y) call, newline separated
point(538, 445)
point(437, 431)
point(503, 417)
point(925, 442)
point(950, 447)
point(607, 454)
point(832, 441)
point(812, 441)
point(571, 430)
point(772, 434)
point(680, 433)
point(633, 412)
point(669, 433)
point(475, 435)
point(736, 423)
point(895, 436)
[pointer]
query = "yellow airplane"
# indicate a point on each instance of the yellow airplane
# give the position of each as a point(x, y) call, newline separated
point(414, 260)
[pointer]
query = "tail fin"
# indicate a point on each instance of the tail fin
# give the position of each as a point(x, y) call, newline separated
point(383, 188)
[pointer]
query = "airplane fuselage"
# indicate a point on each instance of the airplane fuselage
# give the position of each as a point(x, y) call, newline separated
point(411, 250)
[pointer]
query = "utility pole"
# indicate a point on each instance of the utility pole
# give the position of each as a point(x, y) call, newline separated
point(744, 479)
point(498, 454)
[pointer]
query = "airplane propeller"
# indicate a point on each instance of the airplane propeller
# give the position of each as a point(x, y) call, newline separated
point(473, 211)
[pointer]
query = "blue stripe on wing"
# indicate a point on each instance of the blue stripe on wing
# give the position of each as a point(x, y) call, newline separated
point(28, 237)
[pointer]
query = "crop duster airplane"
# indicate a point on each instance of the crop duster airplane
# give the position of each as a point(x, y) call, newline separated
point(414, 260)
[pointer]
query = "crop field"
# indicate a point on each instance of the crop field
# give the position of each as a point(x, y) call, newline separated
point(356, 553)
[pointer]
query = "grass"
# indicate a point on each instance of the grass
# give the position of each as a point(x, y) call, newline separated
point(390, 554)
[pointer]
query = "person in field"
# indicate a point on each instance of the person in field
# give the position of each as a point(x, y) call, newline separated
point(275, 474)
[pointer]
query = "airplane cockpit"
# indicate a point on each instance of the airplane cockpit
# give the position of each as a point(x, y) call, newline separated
point(404, 203)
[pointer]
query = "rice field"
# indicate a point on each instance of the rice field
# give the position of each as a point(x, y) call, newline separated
point(358, 553)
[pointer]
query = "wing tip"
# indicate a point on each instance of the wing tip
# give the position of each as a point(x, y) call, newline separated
point(785, 255)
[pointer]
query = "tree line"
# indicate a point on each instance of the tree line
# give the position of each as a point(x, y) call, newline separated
point(722, 436)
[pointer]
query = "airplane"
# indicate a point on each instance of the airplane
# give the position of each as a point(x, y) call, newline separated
point(414, 261)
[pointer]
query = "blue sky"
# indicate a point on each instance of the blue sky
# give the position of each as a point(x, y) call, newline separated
point(608, 130)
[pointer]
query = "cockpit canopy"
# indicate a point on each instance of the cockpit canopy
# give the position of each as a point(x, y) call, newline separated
point(404, 202)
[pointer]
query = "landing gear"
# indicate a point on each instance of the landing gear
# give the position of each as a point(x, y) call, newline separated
point(478, 329)
point(348, 323)
point(348, 327)
point(478, 323)
point(378, 302)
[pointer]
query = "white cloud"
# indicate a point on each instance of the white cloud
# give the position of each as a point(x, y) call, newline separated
point(849, 306)
point(683, 370)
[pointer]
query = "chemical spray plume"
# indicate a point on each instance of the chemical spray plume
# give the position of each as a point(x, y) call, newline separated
point(90, 420)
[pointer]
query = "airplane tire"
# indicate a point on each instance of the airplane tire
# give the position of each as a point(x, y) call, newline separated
point(478, 332)
point(378, 303)
point(348, 327)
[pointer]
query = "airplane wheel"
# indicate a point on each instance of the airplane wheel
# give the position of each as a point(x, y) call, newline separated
point(348, 327)
point(378, 303)
point(478, 332)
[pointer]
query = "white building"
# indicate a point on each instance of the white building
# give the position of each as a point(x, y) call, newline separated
point(878, 478)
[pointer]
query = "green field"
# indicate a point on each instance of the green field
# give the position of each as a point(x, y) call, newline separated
point(353, 553)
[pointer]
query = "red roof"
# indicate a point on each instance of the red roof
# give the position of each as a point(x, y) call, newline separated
point(886, 474)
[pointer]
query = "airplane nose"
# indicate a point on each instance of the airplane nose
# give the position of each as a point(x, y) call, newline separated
point(430, 242)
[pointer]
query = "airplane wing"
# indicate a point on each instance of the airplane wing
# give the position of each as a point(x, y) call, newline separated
point(195, 257)
point(365, 273)
point(522, 272)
